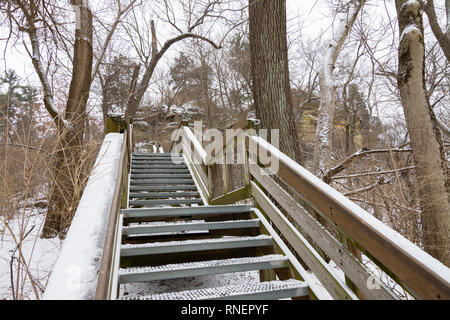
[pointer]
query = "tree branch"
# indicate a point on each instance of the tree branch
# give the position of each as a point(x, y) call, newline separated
point(443, 37)
point(366, 174)
point(359, 154)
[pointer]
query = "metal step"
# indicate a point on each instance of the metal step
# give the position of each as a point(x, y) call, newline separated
point(143, 154)
point(179, 212)
point(155, 157)
point(203, 268)
point(162, 195)
point(161, 171)
point(150, 162)
point(164, 201)
point(254, 291)
point(194, 245)
point(163, 227)
point(162, 181)
point(162, 188)
point(158, 166)
point(160, 176)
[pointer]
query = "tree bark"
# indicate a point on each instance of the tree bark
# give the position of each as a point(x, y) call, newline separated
point(424, 134)
point(270, 72)
point(68, 176)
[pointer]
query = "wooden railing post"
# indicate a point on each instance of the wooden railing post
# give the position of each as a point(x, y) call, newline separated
point(115, 123)
point(246, 154)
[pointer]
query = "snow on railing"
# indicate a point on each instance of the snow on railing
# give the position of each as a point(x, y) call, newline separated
point(75, 274)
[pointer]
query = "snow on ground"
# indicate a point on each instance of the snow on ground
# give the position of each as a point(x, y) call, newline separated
point(39, 254)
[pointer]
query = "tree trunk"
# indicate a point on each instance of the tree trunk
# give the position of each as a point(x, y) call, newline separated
point(270, 72)
point(67, 173)
point(424, 134)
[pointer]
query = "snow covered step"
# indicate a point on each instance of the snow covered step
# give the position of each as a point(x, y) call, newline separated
point(163, 188)
point(195, 245)
point(162, 195)
point(177, 159)
point(150, 228)
point(154, 159)
point(155, 171)
point(144, 154)
point(158, 166)
point(203, 268)
point(191, 211)
point(161, 181)
point(156, 163)
point(164, 201)
point(159, 176)
point(150, 161)
point(272, 290)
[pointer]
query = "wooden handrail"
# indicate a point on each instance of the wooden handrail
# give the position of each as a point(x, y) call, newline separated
point(105, 272)
point(415, 270)
point(424, 276)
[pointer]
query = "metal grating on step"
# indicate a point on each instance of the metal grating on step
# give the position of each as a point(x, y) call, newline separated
point(193, 269)
point(255, 291)
point(195, 245)
point(150, 228)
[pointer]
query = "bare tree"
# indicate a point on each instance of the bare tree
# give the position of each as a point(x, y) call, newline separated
point(151, 61)
point(38, 20)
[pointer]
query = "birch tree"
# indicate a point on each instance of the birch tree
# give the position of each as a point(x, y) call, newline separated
point(425, 137)
point(327, 108)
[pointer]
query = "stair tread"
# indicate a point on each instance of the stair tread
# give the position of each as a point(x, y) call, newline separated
point(204, 264)
point(155, 154)
point(186, 211)
point(165, 201)
point(181, 223)
point(274, 289)
point(191, 242)
point(158, 195)
point(185, 226)
point(163, 162)
point(156, 171)
point(163, 188)
point(161, 181)
point(160, 175)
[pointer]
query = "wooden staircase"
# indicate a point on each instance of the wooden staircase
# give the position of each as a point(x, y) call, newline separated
point(168, 232)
